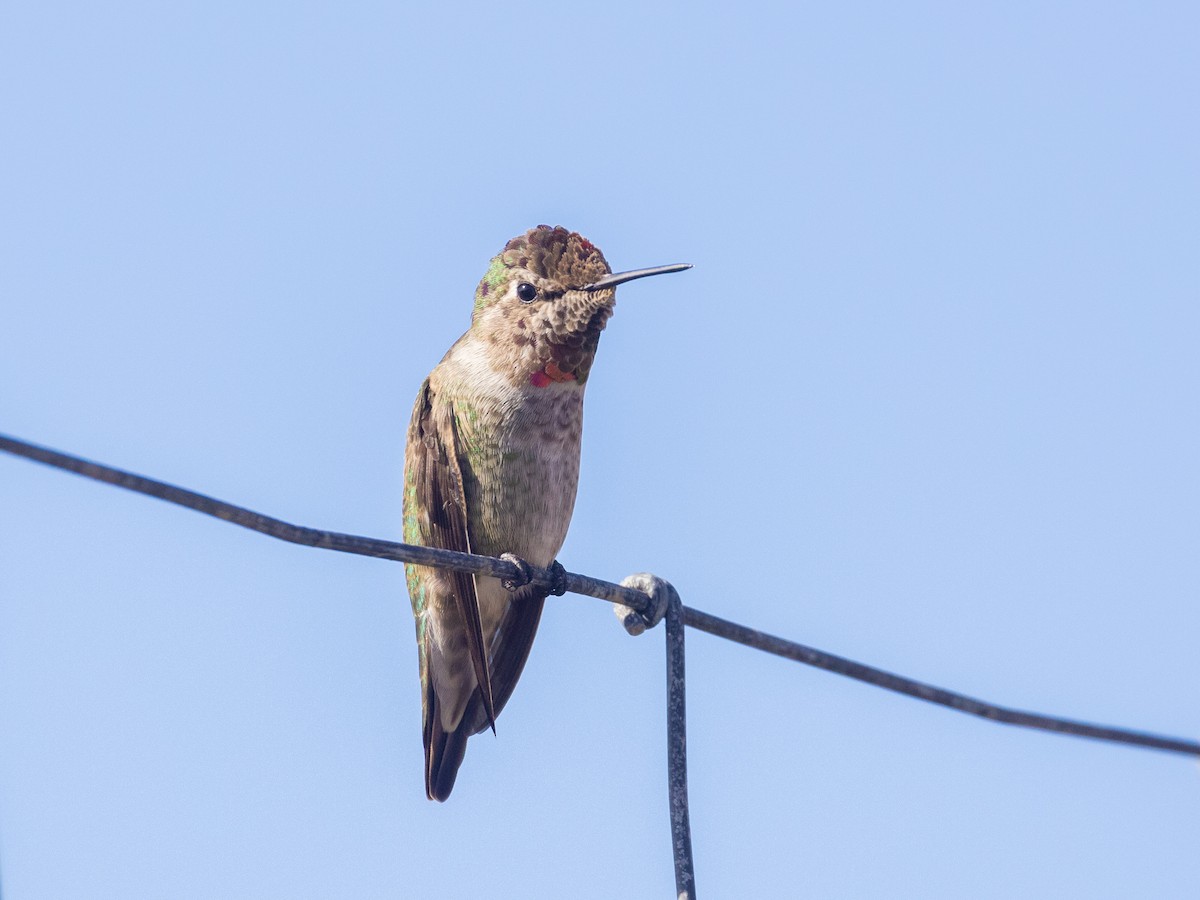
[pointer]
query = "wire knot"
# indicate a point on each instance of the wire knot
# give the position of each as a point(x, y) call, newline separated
point(658, 590)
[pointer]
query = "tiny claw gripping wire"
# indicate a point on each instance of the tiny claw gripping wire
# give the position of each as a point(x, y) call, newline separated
point(525, 572)
point(658, 590)
point(559, 574)
point(524, 576)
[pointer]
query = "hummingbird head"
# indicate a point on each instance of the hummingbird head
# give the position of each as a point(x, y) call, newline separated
point(543, 303)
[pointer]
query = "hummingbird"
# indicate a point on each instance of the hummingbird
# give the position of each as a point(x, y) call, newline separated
point(491, 467)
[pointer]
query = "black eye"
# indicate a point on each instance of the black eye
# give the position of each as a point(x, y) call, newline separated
point(527, 292)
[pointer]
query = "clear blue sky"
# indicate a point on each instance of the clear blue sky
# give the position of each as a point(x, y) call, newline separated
point(928, 400)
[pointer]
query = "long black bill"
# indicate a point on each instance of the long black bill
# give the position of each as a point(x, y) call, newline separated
point(621, 277)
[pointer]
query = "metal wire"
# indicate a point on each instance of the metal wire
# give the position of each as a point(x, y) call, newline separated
point(677, 617)
point(829, 662)
point(592, 587)
point(677, 788)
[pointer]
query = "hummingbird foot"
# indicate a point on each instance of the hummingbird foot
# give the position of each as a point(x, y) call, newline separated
point(559, 574)
point(524, 573)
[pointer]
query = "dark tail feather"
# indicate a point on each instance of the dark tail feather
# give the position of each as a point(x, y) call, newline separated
point(444, 750)
point(444, 753)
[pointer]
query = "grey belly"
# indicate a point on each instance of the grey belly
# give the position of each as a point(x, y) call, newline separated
point(524, 506)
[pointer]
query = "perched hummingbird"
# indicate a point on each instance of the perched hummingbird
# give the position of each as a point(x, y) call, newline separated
point(491, 467)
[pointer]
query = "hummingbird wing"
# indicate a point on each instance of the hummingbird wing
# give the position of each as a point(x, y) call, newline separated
point(436, 475)
point(514, 640)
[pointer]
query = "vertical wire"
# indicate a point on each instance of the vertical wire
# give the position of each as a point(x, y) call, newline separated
point(681, 829)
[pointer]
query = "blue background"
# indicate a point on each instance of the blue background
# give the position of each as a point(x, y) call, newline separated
point(928, 400)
